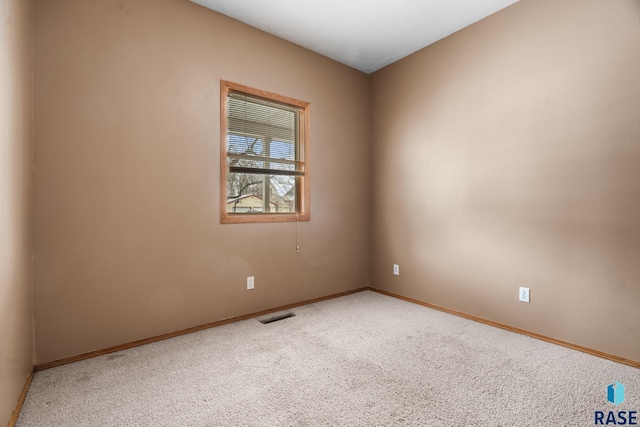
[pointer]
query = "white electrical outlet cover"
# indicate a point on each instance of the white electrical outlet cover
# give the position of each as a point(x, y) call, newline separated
point(250, 282)
point(396, 269)
point(524, 294)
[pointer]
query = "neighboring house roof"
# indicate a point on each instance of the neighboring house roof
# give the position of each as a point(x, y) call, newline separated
point(248, 196)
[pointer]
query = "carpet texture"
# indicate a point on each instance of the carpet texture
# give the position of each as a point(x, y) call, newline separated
point(361, 360)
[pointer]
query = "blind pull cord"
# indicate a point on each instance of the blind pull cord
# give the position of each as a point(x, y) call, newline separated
point(297, 234)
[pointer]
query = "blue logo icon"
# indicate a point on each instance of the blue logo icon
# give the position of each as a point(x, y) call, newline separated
point(615, 393)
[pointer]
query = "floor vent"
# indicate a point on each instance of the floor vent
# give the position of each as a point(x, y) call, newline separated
point(272, 319)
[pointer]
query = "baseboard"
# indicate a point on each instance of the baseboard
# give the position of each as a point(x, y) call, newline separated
point(23, 396)
point(587, 350)
point(162, 337)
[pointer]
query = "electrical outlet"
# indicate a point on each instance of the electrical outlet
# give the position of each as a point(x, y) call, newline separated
point(524, 294)
point(396, 269)
point(250, 282)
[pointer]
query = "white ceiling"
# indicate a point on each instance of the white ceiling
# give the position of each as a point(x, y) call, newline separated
point(364, 34)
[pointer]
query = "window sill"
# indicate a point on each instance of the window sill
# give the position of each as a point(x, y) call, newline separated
point(263, 218)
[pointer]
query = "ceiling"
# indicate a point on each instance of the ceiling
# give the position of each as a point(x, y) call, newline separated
point(364, 34)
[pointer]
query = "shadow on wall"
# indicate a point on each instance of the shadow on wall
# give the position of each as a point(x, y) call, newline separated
point(637, 5)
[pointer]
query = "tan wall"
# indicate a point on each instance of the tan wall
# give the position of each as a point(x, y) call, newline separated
point(16, 88)
point(128, 240)
point(508, 155)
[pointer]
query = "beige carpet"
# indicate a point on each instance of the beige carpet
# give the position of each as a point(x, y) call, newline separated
point(361, 360)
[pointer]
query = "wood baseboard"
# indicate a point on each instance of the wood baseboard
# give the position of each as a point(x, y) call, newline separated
point(587, 350)
point(162, 337)
point(23, 396)
point(120, 347)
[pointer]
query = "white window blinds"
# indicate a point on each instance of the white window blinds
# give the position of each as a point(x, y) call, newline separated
point(264, 137)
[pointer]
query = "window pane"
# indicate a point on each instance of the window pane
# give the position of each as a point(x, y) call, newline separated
point(260, 152)
point(249, 193)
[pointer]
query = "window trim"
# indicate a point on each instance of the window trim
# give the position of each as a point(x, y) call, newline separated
point(303, 182)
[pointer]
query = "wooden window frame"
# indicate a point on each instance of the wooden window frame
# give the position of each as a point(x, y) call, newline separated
point(303, 182)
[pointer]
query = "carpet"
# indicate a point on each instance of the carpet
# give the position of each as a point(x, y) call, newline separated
point(361, 360)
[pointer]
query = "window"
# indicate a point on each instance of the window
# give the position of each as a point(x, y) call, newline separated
point(264, 156)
